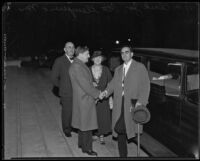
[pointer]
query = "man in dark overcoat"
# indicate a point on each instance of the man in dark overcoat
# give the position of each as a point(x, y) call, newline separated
point(61, 79)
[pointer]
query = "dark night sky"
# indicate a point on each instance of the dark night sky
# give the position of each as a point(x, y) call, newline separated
point(35, 28)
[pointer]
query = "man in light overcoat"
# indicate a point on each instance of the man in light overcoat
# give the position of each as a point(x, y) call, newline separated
point(84, 115)
point(130, 81)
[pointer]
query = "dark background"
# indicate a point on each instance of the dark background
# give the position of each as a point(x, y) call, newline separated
point(35, 28)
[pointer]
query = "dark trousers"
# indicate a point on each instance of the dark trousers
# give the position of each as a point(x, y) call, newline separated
point(120, 129)
point(85, 140)
point(66, 114)
point(122, 145)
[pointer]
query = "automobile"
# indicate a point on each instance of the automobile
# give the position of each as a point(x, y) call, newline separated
point(174, 97)
point(51, 56)
point(32, 61)
point(45, 59)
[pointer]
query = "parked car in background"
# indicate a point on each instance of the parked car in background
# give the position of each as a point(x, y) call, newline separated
point(174, 97)
point(47, 59)
point(43, 59)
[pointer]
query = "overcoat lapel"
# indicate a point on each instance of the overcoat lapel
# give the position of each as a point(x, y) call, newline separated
point(131, 68)
point(84, 66)
point(121, 72)
point(66, 59)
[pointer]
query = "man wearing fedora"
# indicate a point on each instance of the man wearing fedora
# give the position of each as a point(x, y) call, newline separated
point(60, 78)
point(130, 83)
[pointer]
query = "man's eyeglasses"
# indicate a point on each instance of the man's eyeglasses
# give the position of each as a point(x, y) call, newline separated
point(125, 52)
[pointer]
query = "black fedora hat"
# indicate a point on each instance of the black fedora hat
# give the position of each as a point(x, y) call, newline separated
point(141, 114)
point(97, 53)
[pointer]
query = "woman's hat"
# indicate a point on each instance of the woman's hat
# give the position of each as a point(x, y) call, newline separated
point(97, 53)
point(141, 114)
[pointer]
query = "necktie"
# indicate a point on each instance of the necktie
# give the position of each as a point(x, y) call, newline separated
point(123, 77)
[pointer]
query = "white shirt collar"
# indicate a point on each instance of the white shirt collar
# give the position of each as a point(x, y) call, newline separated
point(126, 66)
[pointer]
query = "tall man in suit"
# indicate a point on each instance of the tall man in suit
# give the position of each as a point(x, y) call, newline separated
point(60, 78)
point(84, 116)
point(130, 82)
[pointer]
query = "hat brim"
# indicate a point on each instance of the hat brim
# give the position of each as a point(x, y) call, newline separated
point(103, 57)
point(141, 115)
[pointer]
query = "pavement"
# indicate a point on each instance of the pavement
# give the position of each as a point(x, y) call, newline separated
point(32, 123)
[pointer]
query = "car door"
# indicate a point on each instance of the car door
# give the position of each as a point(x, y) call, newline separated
point(189, 113)
point(165, 100)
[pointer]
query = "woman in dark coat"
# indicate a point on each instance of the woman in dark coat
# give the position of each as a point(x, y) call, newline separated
point(101, 77)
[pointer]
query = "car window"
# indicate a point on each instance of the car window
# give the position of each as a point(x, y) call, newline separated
point(137, 58)
point(167, 74)
point(192, 77)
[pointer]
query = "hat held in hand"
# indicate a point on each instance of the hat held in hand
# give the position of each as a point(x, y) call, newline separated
point(141, 114)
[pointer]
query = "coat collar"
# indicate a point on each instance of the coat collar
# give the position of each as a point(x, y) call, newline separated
point(65, 58)
point(133, 64)
point(68, 58)
point(131, 68)
point(78, 61)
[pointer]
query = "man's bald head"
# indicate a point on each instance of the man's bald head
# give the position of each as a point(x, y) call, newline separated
point(69, 49)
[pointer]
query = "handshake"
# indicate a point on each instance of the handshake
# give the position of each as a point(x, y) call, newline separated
point(103, 94)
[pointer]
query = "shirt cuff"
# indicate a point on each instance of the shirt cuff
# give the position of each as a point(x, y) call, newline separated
point(138, 104)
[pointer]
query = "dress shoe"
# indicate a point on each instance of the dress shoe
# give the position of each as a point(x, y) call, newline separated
point(90, 152)
point(68, 134)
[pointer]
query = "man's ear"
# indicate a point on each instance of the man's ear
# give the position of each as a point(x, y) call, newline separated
point(64, 50)
point(132, 54)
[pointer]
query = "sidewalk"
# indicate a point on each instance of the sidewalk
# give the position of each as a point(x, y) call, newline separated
point(32, 125)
